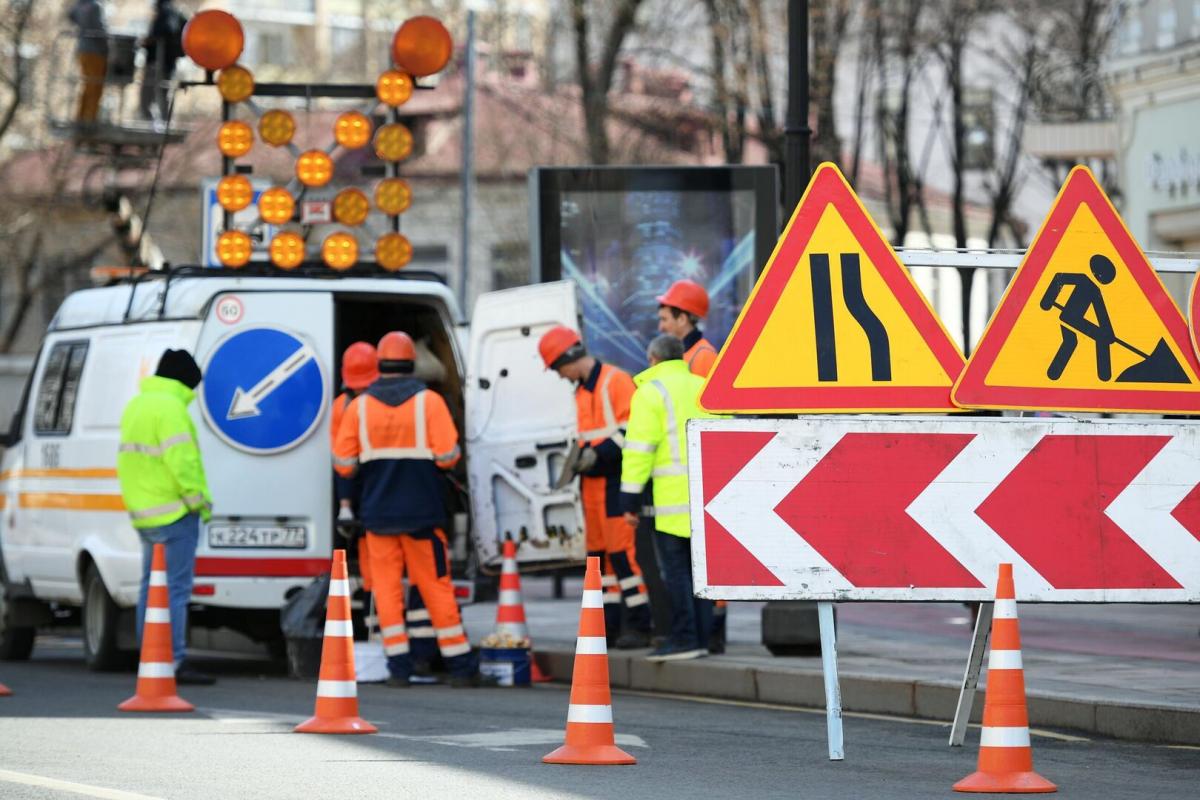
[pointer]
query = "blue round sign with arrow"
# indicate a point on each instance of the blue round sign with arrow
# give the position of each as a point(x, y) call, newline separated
point(264, 390)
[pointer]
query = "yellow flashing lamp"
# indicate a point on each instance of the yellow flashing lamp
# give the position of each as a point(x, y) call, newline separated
point(393, 196)
point(235, 84)
point(394, 88)
point(276, 127)
point(393, 142)
point(233, 249)
point(422, 46)
point(393, 251)
point(339, 251)
point(314, 168)
point(213, 39)
point(234, 138)
point(234, 192)
point(352, 130)
point(276, 205)
point(351, 206)
point(287, 250)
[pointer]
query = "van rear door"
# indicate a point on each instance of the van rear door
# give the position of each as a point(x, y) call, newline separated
point(267, 358)
point(520, 420)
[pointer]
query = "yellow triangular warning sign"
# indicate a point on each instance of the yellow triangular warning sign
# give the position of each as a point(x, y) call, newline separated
point(835, 322)
point(1086, 324)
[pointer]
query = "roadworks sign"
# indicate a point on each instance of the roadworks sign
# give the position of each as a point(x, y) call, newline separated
point(835, 322)
point(1086, 324)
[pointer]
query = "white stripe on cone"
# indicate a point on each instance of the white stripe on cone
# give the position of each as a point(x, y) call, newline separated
point(336, 689)
point(593, 598)
point(158, 615)
point(158, 578)
point(339, 588)
point(509, 567)
point(594, 714)
point(1004, 609)
point(510, 597)
point(1004, 659)
point(1004, 737)
point(156, 669)
point(591, 646)
point(339, 627)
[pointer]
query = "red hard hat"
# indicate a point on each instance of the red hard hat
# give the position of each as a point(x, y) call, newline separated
point(359, 369)
point(555, 342)
point(687, 296)
point(397, 346)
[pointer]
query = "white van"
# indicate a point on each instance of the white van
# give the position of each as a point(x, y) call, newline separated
point(270, 349)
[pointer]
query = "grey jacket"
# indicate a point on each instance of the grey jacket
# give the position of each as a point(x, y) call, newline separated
point(88, 16)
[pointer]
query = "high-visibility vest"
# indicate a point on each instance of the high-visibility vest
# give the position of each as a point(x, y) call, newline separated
point(700, 357)
point(158, 460)
point(601, 413)
point(655, 441)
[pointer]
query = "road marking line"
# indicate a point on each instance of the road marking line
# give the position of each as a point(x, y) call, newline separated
point(718, 701)
point(67, 786)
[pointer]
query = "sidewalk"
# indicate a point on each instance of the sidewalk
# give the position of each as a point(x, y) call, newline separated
point(1125, 671)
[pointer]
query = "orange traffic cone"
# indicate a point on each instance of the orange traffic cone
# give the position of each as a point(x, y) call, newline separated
point(590, 738)
point(5, 691)
point(156, 672)
point(510, 613)
point(1005, 755)
point(337, 692)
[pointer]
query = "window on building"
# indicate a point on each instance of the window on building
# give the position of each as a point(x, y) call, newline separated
point(1166, 27)
point(271, 48)
point(1131, 32)
point(1196, 19)
point(55, 408)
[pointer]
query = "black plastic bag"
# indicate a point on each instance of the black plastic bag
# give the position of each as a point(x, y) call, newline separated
point(303, 615)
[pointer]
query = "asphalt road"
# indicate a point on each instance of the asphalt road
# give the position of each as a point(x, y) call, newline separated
point(62, 725)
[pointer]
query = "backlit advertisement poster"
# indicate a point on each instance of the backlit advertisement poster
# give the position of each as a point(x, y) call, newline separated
point(623, 235)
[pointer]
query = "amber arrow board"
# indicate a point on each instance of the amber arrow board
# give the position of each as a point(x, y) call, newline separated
point(873, 508)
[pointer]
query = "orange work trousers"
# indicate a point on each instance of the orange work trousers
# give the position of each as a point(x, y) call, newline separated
point(615, 540)
point(92, 67)
point(424, 559)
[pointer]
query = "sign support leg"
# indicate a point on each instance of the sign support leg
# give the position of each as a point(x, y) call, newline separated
point(833, 691)
point(966, 695)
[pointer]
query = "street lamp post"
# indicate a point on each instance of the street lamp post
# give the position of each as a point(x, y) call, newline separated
point(796, 133)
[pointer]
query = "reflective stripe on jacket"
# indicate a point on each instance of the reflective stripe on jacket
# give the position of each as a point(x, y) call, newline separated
point(397, 437)
point(656, 443)
point(158, 460)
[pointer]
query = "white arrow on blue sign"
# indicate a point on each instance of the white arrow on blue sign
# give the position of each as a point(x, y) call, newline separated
point(264, 390)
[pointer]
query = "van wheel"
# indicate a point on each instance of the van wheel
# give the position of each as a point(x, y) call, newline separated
point(101, 616)
point(16, 641)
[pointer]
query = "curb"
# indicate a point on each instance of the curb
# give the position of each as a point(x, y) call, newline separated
point(876, 695)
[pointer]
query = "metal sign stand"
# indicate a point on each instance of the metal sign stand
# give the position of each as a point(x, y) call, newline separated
point(966, 695)
point(833, 691)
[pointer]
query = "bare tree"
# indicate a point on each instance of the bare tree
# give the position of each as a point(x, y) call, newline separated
point(596, 80)
point(828, 21)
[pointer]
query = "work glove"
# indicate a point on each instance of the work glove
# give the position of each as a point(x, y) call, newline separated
point(347, 526)
point(587, 460)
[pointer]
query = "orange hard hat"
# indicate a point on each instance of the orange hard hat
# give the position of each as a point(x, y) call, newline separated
point(359, 369)
point(687, 296)
point(556, 342)
point(397, 346)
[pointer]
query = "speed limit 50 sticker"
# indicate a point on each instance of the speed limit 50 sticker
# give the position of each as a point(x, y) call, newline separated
point(230, 309)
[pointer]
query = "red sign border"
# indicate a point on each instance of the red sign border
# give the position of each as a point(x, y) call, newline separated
point(1080, 188)
point(828, 187)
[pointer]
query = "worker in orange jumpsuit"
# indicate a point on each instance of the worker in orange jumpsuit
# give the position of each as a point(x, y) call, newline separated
point(680, 310)
point(602, 395)
point(398, 437)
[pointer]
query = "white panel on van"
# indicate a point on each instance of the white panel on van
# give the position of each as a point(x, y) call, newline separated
point(520, 420)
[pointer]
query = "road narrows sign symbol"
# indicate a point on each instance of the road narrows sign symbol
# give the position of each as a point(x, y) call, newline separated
point(835, 323)
point(1086, 324)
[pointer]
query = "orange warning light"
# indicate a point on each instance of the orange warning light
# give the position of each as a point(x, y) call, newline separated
point(351, 207)
point(393, 196)
point(340, 251)
point(394, 88)
point(352, 130)
point(235, 84)
point(234, 138)
point(421, 46)
point(213, 39)
point(393, 251)
point(314, 168)
point(277, 127)
point(276, 206)
point(233, 249)
point(287, 250)
point(234, 192)
point(393, 142)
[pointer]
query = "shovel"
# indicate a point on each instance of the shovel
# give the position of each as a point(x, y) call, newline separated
point(1157, 366)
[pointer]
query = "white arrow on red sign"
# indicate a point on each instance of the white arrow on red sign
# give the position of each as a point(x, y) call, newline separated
point(925, 509)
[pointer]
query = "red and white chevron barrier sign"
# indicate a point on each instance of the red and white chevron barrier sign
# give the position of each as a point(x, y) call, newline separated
point(872, 508)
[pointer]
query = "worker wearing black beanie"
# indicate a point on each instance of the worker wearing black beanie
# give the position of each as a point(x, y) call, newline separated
point(179, 365)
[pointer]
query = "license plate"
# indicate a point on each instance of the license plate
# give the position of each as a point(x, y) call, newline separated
point(294, 537)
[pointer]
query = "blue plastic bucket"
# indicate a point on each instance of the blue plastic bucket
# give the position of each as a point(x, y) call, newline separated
point(508, 665)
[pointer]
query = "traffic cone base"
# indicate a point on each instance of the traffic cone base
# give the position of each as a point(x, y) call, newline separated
point(600, 754)
point(1008, 783)
point(156, 668)
point(336, 725)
